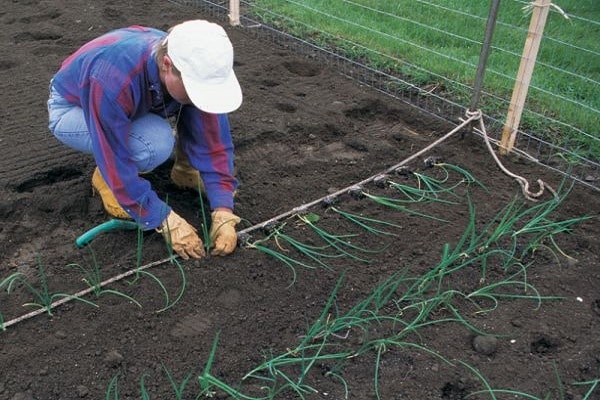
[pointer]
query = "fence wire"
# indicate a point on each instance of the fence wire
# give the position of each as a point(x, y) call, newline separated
point(553, 138)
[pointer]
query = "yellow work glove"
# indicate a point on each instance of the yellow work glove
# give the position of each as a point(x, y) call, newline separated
point(181, 236)
point(222, 232)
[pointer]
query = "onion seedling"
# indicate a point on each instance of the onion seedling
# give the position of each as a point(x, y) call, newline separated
point(177, 388)
point(313, 252)
point(364, 222)
point(467, 176)
point(593, 384)
point(112, 392)
point(417, 195)
point(45, 298)
point(209, 383)
point(10, 281)
point(206, 239)
point(398, 205)
point(143, 391)
point(93, 279)
point(290, 262)
point(339, 242)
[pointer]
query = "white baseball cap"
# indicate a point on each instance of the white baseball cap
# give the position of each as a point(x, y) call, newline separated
point(203, 54)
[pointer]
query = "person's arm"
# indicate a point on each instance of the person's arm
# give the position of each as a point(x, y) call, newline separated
point(108, 119)
point(206, 141)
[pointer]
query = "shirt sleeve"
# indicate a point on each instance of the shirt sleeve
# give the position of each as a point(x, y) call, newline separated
point(107, 110)
point(206, 139)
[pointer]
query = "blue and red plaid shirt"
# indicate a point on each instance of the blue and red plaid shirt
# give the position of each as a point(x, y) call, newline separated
point(115, 79)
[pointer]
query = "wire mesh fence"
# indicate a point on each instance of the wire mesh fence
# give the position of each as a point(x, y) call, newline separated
point(420, 53)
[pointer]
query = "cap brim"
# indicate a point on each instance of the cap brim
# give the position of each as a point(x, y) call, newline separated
point(221, 98)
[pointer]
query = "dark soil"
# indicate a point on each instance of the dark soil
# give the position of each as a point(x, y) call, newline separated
point(303, 131)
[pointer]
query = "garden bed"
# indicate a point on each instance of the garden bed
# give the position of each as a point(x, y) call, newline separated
point(337, 321)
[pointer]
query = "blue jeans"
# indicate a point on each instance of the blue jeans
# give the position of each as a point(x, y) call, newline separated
point(150, 141)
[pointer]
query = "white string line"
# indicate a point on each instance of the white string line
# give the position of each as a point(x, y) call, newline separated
point(524, 183)
point(85, 292)
point(294, 211)
point(304, 207)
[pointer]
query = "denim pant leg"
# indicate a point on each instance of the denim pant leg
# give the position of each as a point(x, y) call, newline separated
point(150, 141)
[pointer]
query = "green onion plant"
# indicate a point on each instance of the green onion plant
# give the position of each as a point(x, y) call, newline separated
point(206, 239)
point(177, 388)
point(594, 387)
point(43, 298)
point(368, 224)
point(112, 392)
point(398, 205)
point(92, 277)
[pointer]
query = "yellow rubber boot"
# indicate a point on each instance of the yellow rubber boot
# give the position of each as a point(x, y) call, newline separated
point(183, 174)
point(111, 205)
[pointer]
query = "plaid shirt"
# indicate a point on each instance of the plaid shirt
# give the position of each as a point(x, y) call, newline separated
point(115, 79)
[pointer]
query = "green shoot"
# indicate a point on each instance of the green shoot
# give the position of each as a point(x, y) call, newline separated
point(339, 378)
point(397, 205)
point(313, 252)
point(168, 303)
point(209, 384)
point(206, 239)
point(379, 348)
point(93, 279)
point(10, 281)
point(43, 298)
point(139, 248)
point(419, 195)
point(467, 176)
point(593, 384)
point(177, 388)
point(290, 262)
point(514, 393)
point(143, 391)
point(339, 242)
point(364, 222)
point(561, 387)
point(112, 392)
point(181, 289)
point(481, 378)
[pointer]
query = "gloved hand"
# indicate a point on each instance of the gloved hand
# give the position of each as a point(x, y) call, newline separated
point(222, 232)
point(182, 236)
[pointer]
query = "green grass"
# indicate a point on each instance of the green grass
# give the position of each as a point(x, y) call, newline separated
point(436, 44)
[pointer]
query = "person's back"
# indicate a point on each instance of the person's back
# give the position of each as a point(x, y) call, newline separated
point(116, 60)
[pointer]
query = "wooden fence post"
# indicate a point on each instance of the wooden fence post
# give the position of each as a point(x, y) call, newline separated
point(528, 59)
point(234, 12)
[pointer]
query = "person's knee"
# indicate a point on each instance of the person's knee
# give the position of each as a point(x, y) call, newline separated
point(151, 142)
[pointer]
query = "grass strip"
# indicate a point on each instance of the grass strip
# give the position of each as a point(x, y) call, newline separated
point(426, 45)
